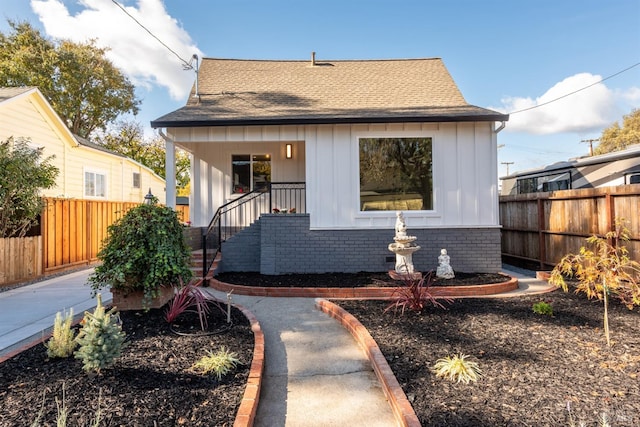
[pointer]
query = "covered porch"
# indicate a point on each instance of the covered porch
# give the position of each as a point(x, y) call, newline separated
point(226, 166)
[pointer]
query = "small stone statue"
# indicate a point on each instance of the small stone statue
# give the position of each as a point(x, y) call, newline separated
point(401, 227)
point(444, 269)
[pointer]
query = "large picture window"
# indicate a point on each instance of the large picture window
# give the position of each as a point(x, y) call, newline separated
point(250, 172)
point(95, 184)
point(396, 174)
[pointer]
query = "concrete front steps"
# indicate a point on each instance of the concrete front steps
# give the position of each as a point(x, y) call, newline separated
point(197, 259)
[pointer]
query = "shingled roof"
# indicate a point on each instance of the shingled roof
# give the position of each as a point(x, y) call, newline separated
point(12, 92)
point(234, 92)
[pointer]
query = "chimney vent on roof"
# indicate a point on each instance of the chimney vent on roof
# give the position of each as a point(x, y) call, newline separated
point(313, 59)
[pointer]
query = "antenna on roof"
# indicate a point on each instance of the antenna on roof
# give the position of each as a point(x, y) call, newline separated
point(190, 66)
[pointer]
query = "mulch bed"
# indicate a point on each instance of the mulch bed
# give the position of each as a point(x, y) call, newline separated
point(533, 366)
point(151, 384)
point(347, 280)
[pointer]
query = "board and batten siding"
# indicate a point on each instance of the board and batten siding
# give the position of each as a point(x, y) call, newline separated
point(326, 158)
point(29, 116)
point(211, 181)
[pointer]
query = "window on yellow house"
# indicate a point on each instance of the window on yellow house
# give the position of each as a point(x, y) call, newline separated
point(95, 184)
point(136, 180)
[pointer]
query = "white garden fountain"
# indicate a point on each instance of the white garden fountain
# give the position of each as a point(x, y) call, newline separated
point(403, 248)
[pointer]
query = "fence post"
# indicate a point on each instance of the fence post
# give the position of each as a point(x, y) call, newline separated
point(43, 232)
point(611, 213)
point(541, 240)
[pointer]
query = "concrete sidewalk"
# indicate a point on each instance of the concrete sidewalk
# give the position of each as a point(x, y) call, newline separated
point(27, 313)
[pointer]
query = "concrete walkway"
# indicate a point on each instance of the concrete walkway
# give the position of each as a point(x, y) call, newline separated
point(27, 312)
point(315, 373)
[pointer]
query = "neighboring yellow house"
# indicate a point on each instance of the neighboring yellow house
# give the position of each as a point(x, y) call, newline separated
point(87, 171)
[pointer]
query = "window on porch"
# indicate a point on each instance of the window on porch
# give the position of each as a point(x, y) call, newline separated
point(250, 172)
point(396, 174)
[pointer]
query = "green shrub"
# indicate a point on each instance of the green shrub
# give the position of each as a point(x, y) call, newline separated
point(457, 368)
point(144, 250)
point(61, 343)
point(101, 338)
point(543, 308)
point(220, 363)
point(24, 173)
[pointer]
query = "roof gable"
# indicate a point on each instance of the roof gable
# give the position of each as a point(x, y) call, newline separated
point(11, 92)
point(238, 92)
point(56, 124)
point(39, 103)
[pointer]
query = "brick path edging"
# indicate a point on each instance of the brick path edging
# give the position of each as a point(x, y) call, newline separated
point(249, 404)
point(509, 284)
point(402, 409)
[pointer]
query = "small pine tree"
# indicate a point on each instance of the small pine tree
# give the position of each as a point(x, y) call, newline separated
point(101, 338)
point(61, 343)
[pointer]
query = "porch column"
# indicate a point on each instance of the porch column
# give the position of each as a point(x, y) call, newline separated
point(195, 203)
point(170, 172)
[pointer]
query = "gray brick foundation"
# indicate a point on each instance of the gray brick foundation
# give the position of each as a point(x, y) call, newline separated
point(283, 244)
point(193, 237)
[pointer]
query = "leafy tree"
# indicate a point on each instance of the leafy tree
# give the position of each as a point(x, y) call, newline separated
point(23, 173)
point(127, 138)
point(604, 270)
point(616, 137)
point(82, 85)
point(184, 191)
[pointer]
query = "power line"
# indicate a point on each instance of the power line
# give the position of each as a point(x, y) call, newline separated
point(576, 91)
point(187, 65)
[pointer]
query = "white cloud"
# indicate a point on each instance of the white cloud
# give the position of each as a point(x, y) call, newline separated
point(132, 49)
point(632, 96)
point(586, 111)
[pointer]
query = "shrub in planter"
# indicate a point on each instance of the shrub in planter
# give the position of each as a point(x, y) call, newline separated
point(144, 251)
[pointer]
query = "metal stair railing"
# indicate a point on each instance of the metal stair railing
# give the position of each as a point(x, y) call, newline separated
point(238, 214)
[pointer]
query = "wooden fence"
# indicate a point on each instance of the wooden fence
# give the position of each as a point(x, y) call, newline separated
point(183, 213)
point(72, 233)
point(538, 229)
point(73, 230)
point(20, 259)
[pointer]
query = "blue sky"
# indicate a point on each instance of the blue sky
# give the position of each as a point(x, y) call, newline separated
point(503, 54)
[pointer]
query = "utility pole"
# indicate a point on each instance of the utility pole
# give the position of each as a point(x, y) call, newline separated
point(590, 142)
point(507, 164)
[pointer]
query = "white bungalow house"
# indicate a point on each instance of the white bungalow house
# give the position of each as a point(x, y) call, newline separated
point(345, 144)
point(87, 171)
